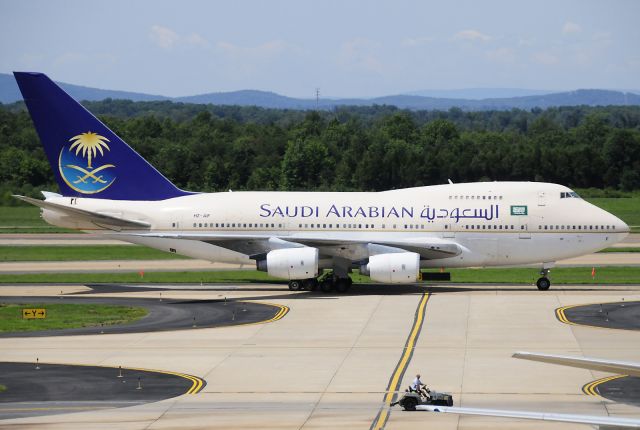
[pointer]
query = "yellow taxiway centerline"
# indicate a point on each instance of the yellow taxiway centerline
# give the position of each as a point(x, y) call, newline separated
point(394, 383)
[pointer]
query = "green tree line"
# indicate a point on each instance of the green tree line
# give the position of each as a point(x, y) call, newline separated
point(216, 148)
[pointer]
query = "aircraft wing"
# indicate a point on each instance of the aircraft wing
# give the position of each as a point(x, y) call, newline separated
point(101, 220)
point(543, 416)
point(346, 246)
point(612, 366)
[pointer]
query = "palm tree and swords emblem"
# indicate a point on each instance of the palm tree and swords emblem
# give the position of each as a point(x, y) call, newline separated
point(87, 179)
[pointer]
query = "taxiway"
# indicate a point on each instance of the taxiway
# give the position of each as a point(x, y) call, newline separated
point(330, 361)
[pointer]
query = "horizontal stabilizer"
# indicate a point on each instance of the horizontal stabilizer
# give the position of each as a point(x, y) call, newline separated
point(542, 416)
point(99, 219)
point(612, 366)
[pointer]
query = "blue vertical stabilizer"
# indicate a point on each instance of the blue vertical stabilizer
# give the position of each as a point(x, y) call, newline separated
point(87, 158)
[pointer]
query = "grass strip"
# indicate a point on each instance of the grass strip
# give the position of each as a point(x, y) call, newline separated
point(630, 249)
point(563, 275)
point(26, 219)
point(62, 316)
point(83, 253)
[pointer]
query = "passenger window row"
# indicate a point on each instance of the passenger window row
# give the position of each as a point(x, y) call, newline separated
point(578, 227)
point(490, 227)
point(233, 225)
point(406, 226)
point(474, 197)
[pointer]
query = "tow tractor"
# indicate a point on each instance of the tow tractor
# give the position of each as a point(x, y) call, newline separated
point(412, 398)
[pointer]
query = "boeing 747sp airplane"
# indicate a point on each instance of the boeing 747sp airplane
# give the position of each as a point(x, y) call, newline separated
point(105, 185)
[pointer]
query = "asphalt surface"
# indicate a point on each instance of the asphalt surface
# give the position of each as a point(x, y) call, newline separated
point(56, 389)
point(621, 315)
point(622, 390)
point(163, 315)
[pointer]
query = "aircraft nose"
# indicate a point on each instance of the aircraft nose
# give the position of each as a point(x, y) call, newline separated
point(619, 225)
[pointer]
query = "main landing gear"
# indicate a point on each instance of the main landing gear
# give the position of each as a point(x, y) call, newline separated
point(543, 283)
point(326, 283)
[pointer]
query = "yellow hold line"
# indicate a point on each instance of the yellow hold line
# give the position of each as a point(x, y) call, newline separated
point(590, 388)
point(278, 316)
point(562, 317)
point(197, 383)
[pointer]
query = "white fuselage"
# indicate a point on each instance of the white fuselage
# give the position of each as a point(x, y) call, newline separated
point(495, 223)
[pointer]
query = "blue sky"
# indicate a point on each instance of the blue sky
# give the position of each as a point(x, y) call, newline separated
point(346, 48)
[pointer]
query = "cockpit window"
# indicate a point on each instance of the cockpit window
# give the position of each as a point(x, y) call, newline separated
point(569, 195)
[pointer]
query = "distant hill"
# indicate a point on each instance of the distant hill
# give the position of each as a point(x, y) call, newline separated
point(479, 93)
point(10, 93)
point(249, 98)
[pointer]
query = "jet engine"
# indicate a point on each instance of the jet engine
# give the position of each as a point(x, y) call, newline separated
point(291, 263)
point(393, 268)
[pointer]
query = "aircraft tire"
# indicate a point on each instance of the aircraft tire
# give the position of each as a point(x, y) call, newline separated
point(342, 285)
point(326, 286)
point(310, 284)
point(295, 285)
point(543, 284)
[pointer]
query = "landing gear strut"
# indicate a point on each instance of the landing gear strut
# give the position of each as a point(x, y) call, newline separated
point(543, 283)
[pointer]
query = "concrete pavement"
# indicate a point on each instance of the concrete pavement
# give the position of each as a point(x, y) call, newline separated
point(328, 362)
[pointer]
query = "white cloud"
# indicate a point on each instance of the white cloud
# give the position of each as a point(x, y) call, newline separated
point(417, 41)
point(571, 27)
point(164, 37)
point(523, 41)
point(196, 40)
point(473, 35)
point(546, 58)
point(167, 38)
point(264, 50)
point(502, 55)
point(359, 53)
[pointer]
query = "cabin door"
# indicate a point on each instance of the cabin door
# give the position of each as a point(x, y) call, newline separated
point(448, 231)
point(542, 198)
point(523, 227)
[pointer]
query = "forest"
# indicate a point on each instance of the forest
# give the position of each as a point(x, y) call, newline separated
point(217, 148)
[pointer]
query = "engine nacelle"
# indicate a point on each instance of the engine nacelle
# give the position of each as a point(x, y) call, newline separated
point(291, 263)
point(394, 268)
